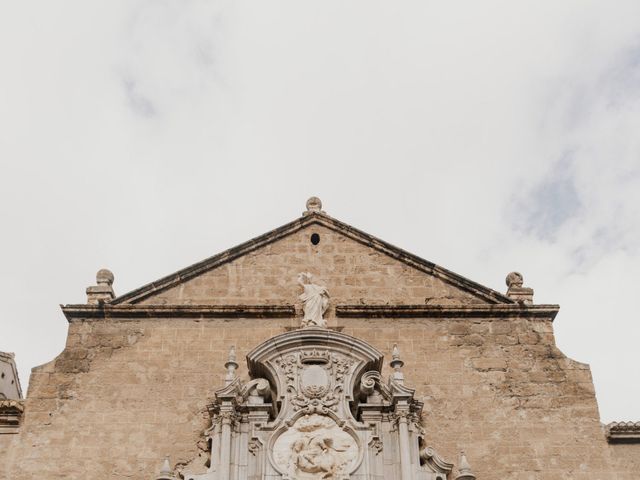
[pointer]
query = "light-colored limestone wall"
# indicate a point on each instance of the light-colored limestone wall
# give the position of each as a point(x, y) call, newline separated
point(124, 393)
point(353, 272)
point(8, 449)
point(625, 460)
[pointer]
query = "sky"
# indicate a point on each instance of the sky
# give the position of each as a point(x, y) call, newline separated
point(487, 137)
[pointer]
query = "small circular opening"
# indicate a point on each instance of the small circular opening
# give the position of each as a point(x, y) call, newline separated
point(315, 238)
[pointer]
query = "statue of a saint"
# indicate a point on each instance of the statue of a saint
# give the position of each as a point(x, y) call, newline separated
point(315, 300)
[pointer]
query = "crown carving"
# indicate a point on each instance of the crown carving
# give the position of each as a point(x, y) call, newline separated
point(315, 356)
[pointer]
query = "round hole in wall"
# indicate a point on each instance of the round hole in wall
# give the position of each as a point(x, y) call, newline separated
point(315, 238)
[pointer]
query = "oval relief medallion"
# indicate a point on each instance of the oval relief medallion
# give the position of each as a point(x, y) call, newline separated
point(315, 447)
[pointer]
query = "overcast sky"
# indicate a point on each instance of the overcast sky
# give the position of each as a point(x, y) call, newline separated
point(487, 137)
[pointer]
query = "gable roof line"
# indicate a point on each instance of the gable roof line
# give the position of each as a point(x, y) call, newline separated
point(212, 262)
point(364, 238)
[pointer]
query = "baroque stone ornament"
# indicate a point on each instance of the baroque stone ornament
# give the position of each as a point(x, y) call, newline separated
point(315, 301)
point(103, 290)
point(315, 447)
point(314, 205)
point(517, 291)
point(11, 412)
point(514, 279)
point(316, 407)
point(165, 471)
point(465, 469)
point(314, 379)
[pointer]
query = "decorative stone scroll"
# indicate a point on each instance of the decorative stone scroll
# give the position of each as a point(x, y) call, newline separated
point(316, 408)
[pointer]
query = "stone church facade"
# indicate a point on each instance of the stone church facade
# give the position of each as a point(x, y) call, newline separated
point(315, 351)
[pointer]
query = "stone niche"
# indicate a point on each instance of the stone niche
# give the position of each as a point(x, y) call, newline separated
point(316, 407)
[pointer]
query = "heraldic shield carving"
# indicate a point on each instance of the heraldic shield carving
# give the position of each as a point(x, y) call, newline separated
point(317, 408)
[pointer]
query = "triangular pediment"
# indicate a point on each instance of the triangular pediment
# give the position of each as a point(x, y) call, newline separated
point(356, 267)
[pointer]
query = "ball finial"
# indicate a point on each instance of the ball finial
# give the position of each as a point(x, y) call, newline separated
point(104, 277)
point(514, 279)
point(314, 204)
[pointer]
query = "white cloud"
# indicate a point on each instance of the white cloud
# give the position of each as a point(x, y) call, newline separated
point(485, 136)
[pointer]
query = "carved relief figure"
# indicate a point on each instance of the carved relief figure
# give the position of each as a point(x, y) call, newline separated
point(315, 448)
point(315, 300)
point(315, 454)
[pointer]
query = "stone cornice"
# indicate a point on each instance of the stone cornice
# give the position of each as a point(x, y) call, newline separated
point(11, 412)
point(106, 311)
point(457, 311)
point(623, 432)
point(12, 404)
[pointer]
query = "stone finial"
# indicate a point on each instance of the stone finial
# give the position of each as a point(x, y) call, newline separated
point(314, 205)
point(231, 366)
point(165, 471)
point(514, 279)
point(103, 290)
point(464, 469)
point(397, 364)
point(516, 291)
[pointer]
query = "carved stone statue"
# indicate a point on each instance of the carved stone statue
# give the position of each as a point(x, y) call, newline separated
point(315, 300)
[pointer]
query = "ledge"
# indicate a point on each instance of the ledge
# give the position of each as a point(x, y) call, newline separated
point(623, 432)
point(105, 311)
point(438, 311)
point(11, 416)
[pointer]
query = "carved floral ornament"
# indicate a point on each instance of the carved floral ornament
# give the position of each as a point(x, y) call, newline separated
point(314, 379)
point(316, 407)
